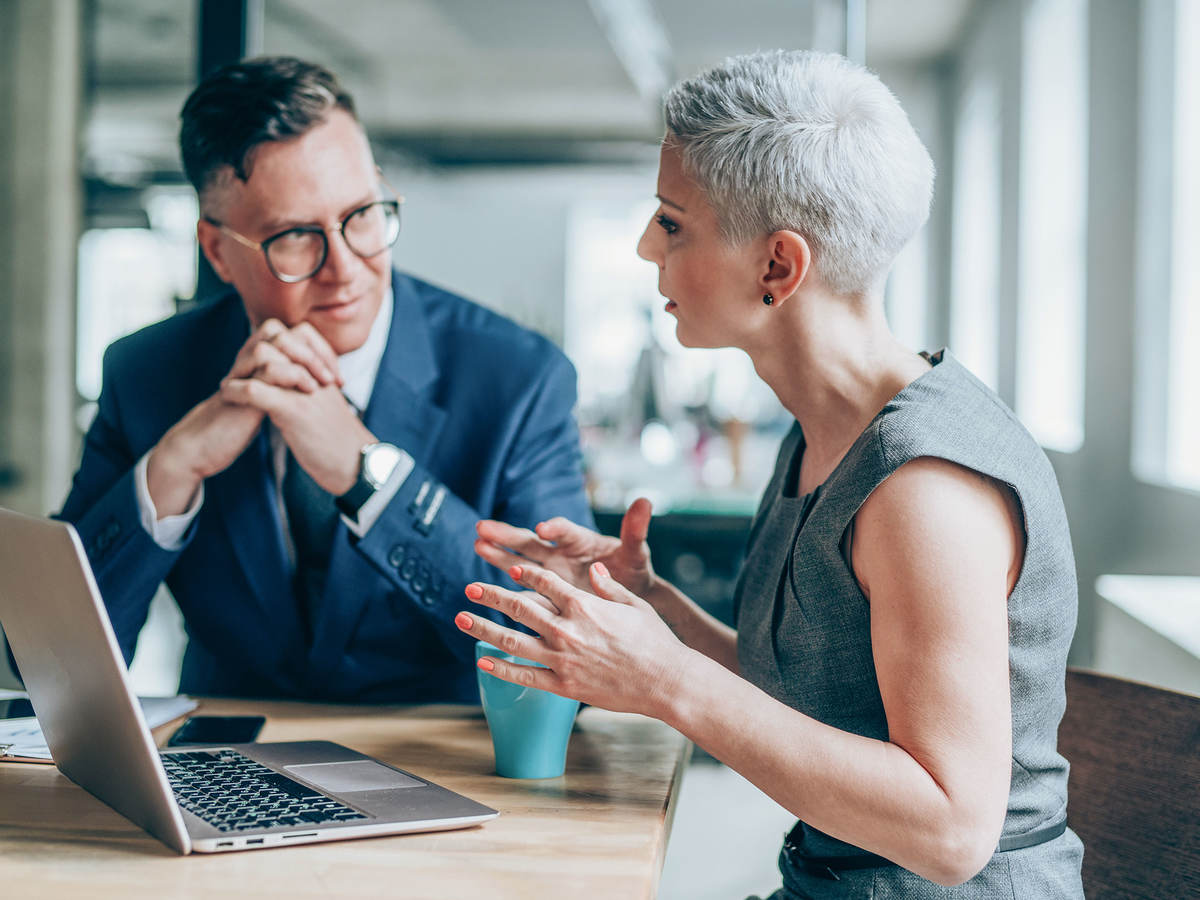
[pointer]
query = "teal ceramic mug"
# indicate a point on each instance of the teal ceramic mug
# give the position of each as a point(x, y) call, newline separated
point(530, 728)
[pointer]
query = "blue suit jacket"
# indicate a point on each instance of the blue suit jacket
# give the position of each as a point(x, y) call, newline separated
point(483, 406)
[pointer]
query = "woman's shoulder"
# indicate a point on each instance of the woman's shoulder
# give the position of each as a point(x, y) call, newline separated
point(950, 414)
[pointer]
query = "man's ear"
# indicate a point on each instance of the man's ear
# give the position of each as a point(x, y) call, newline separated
point(209, 237)
point(788, 262)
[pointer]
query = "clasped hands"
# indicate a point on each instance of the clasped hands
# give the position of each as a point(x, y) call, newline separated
point(600, 641)
point(289, 375)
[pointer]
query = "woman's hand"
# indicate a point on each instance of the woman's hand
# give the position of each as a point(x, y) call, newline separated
point(568, 550)
point(608, 648)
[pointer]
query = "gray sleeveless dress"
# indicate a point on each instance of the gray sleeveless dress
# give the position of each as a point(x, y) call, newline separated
point(804, 625)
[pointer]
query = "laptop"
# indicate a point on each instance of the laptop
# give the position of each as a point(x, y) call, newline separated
point(199, 799)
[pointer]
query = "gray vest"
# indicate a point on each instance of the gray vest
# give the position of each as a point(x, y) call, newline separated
point(804, 625)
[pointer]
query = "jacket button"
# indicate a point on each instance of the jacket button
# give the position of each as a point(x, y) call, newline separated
point(421, 578)
point(396, 556)
point(408, 569)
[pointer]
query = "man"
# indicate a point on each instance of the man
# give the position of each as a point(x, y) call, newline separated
point(303, 461)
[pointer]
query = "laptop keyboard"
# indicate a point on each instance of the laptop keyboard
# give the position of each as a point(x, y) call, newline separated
point(234, 793)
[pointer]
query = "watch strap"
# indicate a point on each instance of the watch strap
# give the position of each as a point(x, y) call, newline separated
point(352, 501)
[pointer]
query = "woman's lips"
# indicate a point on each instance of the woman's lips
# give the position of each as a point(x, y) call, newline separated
point(671, 305)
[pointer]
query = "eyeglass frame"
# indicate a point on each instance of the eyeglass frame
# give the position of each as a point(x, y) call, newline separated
point(395, 201)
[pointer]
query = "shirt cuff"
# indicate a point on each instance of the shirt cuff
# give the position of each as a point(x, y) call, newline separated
point(378, 501)
point(169, 531)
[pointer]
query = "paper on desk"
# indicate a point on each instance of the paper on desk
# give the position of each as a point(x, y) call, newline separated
point(23, 737)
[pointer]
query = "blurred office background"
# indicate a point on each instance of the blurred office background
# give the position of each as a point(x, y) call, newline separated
point(1058, 263)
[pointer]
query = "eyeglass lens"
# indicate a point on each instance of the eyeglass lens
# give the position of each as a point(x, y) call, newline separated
point(300, 253)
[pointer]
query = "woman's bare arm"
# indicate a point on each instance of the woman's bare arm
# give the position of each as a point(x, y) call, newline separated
point(936, 549)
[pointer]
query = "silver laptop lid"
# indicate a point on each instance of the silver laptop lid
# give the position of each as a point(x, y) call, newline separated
point(51, 610)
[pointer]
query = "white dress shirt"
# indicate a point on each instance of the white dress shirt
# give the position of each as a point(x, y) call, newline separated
point(358, 369)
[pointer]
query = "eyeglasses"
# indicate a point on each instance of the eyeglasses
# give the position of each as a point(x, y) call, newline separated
point(299, 253)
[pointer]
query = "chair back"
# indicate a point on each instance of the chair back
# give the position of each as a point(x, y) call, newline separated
point(1134, 790)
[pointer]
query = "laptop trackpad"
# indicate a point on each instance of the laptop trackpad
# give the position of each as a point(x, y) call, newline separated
point(353, 775)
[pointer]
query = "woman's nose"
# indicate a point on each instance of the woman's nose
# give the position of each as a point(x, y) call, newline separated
point(647, 246)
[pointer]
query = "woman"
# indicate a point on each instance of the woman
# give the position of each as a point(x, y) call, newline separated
point(908, 596)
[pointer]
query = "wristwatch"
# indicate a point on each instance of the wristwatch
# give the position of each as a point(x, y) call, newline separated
point(377, 461)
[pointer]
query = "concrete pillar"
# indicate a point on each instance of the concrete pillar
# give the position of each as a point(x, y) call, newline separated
point(41, 64)
point(41, 73)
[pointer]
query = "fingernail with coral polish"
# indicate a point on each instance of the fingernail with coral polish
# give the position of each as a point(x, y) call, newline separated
point(474, 591)
point(463, 621)
point(516, 572)
point(486, 664)
point(601, 569)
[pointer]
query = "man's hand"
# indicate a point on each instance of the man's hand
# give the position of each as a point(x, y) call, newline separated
point(215, 432)
point(569, 550)
point(297, 358)
point(291, 376)
point(320, 428)
point(204, 442)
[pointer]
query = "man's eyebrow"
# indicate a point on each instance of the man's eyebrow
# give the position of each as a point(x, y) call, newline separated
point(670, 202)
point(275, 226)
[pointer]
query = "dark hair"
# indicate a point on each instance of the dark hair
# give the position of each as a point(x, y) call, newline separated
point(240, 106)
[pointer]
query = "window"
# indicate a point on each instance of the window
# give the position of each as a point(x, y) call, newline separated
point(1166, 411)
point(130, 277)
point(975, 263)
point(1183, 374)
point(1052, 282)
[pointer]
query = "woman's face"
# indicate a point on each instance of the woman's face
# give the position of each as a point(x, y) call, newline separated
point(710, 287)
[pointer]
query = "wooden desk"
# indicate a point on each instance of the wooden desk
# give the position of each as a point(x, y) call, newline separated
point(598, 831)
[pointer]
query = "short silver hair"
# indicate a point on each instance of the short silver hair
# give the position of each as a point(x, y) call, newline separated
point(807, 142)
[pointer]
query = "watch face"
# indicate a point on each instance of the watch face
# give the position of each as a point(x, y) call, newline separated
point(378, 462)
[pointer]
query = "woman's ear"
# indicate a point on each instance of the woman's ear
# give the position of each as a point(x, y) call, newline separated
point(208, 236)
point(788, 261)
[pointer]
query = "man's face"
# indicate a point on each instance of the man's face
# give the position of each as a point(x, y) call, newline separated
point(315, 179)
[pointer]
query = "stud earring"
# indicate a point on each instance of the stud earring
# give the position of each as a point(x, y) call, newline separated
point(768, 299)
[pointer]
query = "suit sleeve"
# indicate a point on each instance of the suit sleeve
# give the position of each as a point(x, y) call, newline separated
point(127, 563)
point(424, 540)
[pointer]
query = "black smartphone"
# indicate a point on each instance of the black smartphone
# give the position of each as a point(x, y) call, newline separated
point(17, 708)
point(217, 730)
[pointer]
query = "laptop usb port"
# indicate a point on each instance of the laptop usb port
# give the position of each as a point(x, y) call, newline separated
point(250, 841)
point(224, 843)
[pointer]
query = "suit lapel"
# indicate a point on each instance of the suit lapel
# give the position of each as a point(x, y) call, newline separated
point(400, 412)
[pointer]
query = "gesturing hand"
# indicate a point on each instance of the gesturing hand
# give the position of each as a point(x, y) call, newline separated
point(568, 550)
point(608, 648)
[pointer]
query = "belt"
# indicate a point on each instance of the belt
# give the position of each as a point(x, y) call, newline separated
point(829, 866)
